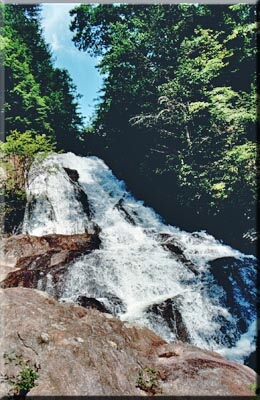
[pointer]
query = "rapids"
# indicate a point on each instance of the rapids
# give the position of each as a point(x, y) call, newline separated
point(134, 268)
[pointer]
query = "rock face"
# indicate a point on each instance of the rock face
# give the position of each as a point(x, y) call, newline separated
point(27, 245)
point(231, 274)
point(91, 302)
point(119, 205)
point(40, 262)
point(169, 242)
point(229, 269)
point(72, 174)
point(169, 310)
point(84, 352)
point(80, 194)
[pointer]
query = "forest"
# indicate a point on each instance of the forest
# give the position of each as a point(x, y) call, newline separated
point(176, 118)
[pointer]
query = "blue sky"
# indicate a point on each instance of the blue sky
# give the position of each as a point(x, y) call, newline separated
point(81, 67)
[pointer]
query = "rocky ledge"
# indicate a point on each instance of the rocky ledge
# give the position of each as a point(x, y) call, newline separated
point(37, 262)
point(81, 351)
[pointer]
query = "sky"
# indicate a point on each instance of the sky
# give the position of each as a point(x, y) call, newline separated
point(81, 67)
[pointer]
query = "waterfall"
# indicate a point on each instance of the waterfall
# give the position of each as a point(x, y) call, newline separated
point(144, 267)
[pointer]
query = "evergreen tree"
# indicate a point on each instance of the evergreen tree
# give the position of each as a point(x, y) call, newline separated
point(39, 104)
point(38, 96)
point(178, 108)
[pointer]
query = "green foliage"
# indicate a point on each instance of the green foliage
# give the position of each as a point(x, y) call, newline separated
point(216, 155)
point(206, 132)
point(254, 387)
point(178, 108)
point(25, 379)
point(16, 156)
point(39, 107)
point(148, 380)
point(38, 97)
point(20, 149)
point(24, 106)
point(120, 34)
point(26, 145)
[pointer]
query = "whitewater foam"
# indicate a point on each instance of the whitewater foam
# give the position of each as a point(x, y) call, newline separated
point(133, 263)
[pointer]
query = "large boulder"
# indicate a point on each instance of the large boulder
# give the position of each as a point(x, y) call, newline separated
point(41, 262)
point(80, 351)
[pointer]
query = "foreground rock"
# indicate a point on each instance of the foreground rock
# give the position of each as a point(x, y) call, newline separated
point(84, 352)
point(40, 262)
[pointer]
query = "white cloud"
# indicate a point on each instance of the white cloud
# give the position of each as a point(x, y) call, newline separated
point(54, 42)
point(81, 67)
point(55, 23)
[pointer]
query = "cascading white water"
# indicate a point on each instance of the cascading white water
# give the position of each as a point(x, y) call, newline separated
point(133, 264)
point(52, 205)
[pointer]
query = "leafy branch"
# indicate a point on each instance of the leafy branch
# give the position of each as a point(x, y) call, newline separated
point(22, 381)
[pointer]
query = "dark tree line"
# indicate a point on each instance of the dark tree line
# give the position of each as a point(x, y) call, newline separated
point(177, 113)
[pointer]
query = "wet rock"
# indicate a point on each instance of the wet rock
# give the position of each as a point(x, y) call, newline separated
point(80, 194)
point(126, 215)
point(83, 199)
point(41, 262)
point(231, 274)
point(82, 352)
point(39, 272)
point(114, 304)
point(91, 302)
point(40, 202)
point(72, 174)
point(169, 310)
point(252, 237)
point(251, 361)
point(28, 245)
point(108, 303)
point(170, 243)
